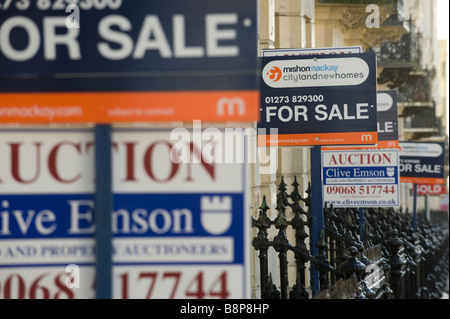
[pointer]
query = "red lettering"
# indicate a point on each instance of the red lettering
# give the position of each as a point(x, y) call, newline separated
point(130, 162)
point(387, 158)
point(360, 158)
point(52, 162)
point(15, 160)
point(350, 161)
point(376, 159)
point(148, 163)
point(26, 159)
point(89, 145)
point(208, 167)
point(332, 160)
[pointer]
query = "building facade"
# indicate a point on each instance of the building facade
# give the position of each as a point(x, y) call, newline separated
point(403, 35)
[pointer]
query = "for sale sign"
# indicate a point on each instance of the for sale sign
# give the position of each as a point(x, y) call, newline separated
point(387, 119)
point(387, 123)
point(128, 61)
point(422, 162)
point(360, 178)
point(319, 100)
point(179, 220)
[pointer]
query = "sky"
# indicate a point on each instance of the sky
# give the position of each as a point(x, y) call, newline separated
point(442, 19)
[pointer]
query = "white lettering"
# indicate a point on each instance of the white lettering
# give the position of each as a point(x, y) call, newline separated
point(335, 112)
point(220, 37)
point(76, 216)
point(269, 112)
point(285, 113)
point(405, 167)
point(321, 112)
point(360, 109)
point(373, 19)
point(427, 168)
point(51, 39)
point(300, 110)
point(24, 225)
point(34, 39)
point(44, 221)
point(158, 221)
point(388, 127)
point(152, 28)
point(289, 113)
point(45, 216)
point(179, 40)
point(73, 19)
point(214, 35)
point(73, 278)
point(122, 39)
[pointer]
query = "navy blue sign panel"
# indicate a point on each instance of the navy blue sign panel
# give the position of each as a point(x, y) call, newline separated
point(182, 216)
point(72, 60)
point(387, 115)
point(323, 100)
point(422, 162)
point(133, 39)
point(40, 216)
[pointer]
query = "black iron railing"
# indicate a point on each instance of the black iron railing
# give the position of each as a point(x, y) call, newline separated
point(372, 255)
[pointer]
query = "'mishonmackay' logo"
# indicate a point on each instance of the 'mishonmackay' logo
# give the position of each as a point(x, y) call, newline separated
point(274, 74)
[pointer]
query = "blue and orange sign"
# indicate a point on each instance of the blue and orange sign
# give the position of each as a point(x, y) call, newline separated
point(128, 61)
point(422, 162)
point(318, 100)
point(387, 123)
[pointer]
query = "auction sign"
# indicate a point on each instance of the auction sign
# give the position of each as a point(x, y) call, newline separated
point(361, 178)
point(422, 162)
point(179, 223)
point(128, 61)
point(319, 100)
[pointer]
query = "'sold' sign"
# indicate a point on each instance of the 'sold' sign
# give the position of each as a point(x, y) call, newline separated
point(430, 189)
